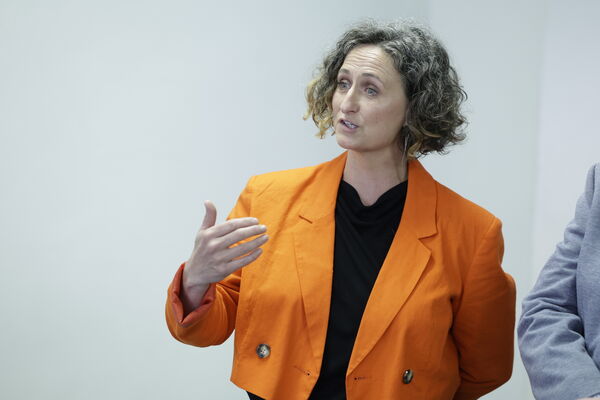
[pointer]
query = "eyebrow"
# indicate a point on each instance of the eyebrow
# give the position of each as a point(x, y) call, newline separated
point(365, 74)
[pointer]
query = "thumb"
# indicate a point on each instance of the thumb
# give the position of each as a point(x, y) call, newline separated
point(211, 215)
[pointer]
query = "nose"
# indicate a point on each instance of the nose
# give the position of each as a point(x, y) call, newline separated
point(349, 102)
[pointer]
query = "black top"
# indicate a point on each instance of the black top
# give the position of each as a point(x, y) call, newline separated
point(363, 235)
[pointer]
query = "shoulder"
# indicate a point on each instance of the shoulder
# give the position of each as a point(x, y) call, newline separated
point(283, 180)
point(297, 179)
point(275, 196)
point(462, 216)
point(592, 183)
point(469, 235)
point(589, 201)
point(436, 200)
point(453, 203)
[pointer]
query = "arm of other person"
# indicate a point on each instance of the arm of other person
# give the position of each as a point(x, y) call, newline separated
point(550, 331)
point(483, 328)
point(213, 320)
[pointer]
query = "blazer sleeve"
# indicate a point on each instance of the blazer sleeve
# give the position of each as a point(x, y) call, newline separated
point(483, 327)
point(214, 320)
point(550, 330)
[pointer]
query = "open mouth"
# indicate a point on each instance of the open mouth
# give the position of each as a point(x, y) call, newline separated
point(349, 124)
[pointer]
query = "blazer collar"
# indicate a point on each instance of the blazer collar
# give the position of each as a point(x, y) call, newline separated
point(321, 193)
point(421, 199)
point(419, 208)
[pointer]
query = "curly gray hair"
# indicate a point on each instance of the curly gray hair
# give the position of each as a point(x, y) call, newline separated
point(434, 120)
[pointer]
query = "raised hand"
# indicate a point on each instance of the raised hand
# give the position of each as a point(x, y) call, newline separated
point(218, 251)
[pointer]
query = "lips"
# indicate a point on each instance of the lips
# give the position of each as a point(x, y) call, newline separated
point(348, 124)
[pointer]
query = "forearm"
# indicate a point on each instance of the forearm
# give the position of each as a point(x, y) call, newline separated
point(554, 353)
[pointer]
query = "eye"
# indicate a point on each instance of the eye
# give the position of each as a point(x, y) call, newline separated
point(371, 91)
point(343, 84)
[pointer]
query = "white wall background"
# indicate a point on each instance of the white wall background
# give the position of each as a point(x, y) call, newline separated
point(569, 138)
point(118, 118)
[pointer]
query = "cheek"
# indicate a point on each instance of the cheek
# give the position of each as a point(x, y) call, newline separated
point(390, 117)
point(335, 103)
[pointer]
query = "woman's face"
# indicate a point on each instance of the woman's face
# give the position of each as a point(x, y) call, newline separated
point(369, 103)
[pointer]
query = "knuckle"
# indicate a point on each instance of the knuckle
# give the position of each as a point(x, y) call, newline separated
point(201, 236)
point(211, 245)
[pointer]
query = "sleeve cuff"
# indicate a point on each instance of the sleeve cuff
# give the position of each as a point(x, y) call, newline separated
point(177, 306)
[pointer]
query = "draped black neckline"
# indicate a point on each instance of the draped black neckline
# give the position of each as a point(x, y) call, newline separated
point(376, 212)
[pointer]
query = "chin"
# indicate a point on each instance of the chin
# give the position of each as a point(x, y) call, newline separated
point(355, 146)
point(346, 143)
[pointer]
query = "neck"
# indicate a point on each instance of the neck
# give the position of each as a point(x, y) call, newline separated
point(372, 174)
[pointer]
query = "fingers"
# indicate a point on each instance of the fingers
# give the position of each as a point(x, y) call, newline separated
point(241, 234)
point(244, 248)
point(210, 217)
point(230, 226)
point(243, 261)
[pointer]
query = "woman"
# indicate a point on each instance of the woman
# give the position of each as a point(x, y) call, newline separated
point(374, 281)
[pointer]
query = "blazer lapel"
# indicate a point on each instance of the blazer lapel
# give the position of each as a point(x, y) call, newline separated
point(313, 242)
point(404, 263)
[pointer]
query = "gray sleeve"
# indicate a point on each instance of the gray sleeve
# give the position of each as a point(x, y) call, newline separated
point(550, 330)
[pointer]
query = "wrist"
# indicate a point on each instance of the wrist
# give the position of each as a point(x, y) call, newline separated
point(191, 297)
point(192, 280)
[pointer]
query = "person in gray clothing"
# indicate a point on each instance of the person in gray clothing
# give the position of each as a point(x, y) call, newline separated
point(559, 329)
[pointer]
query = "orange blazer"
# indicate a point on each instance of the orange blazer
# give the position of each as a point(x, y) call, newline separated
point(438, 323)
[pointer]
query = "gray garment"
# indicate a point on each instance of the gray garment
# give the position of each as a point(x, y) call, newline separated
point(559, 330)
